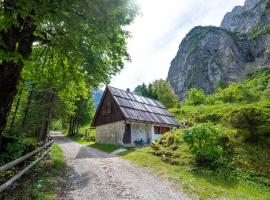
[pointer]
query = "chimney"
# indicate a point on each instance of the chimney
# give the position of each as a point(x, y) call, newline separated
point(128, 90)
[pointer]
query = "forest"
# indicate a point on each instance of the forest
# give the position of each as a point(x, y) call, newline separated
point(53, 55)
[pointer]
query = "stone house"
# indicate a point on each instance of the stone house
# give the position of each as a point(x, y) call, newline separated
point(125, 119)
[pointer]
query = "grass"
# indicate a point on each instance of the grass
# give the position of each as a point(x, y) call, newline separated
point(108, 148)
point(200, 183)
point(41, 182)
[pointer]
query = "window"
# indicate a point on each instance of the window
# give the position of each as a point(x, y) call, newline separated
point(108, 108)
point(157, 129)
point(161, 130)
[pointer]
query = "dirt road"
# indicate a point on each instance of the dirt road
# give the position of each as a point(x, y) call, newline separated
point(96, 175)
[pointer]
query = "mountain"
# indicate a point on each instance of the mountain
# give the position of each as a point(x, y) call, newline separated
point(97, 97)
point(211, 55)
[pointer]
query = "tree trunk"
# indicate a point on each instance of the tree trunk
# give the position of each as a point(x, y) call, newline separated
point(16, 39)
point(73, 127)
point(27, 108)
point(46, 119)
point(9, 78)
point(70, 126)
point(15, 112)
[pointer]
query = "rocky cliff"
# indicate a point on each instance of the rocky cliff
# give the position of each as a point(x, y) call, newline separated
point(208, 55)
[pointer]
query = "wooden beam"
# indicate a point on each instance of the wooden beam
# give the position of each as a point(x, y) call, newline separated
point(17, 176)
point(19, 160)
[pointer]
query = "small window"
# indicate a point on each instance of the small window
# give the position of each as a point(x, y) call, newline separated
point(161, 130)
point(108, 108)
point(157, 129)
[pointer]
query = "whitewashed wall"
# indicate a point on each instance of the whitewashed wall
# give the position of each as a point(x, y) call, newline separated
point(140, 131)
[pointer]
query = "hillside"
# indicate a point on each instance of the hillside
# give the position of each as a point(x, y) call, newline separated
point(211, 55)
point(227, 139)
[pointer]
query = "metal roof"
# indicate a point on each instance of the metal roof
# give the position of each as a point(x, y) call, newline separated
point(135, 107)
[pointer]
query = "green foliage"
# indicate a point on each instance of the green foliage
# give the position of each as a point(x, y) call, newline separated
point(69, 49)
point(56, 125)
point(203, 143)
point(15, 149)
point(232, 93)
point(159, 90)
point(172, 149)
point(220, 85)
point(232, 160)
point(249, 119)
point(197, 182)
point(165, 93)
point(41, 181)
point(195, 97)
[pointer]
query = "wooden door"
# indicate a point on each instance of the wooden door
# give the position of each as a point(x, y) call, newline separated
point(127, 134)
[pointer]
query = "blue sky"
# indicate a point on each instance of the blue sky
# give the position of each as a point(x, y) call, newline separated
point(158, 31)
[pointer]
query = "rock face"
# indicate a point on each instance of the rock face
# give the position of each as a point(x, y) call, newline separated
point(243, 18)
point(208, 55)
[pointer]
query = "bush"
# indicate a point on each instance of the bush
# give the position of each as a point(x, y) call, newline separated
point(14, 150)
point(202, 140)
point(208, 117)
point(195, 97)
point(249, 119)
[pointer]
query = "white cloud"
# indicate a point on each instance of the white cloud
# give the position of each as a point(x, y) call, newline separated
point(158, 31)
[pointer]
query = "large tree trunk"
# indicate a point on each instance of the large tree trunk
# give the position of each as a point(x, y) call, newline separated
point(15, 40)
point(9, 78)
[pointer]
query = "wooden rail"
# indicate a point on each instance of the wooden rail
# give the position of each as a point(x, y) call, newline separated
point(19, 160)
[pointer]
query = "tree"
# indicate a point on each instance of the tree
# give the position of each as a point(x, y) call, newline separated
point(195, 97)
point(141, 90)
point(164, 93)
point(159, 90)
point(88, 36)
point(231, 94)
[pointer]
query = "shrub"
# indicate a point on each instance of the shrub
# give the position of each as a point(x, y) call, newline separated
point(249, 119)
point(208, 117)
point(195, 97)
point(170, 140)
point(202, 140)
point(15, 149)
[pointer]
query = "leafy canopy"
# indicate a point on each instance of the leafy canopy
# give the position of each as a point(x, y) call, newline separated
point(195, 97)
point(159, 90)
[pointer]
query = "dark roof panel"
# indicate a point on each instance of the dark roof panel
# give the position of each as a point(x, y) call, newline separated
point(135, 107)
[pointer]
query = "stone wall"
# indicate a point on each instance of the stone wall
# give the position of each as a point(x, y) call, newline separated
point(110, 133)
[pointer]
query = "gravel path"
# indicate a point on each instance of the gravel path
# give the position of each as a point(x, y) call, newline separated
point(93, 174)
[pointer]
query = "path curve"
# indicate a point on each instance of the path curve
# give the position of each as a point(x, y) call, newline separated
point(93, 174)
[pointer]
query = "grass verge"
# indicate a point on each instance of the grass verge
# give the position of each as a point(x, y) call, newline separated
point(108, 148)
point(41, 182)
point(201, 184)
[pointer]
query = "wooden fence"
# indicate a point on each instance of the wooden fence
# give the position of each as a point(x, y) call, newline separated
point(45, 149)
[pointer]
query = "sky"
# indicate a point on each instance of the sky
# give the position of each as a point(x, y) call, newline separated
point(156, 34)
